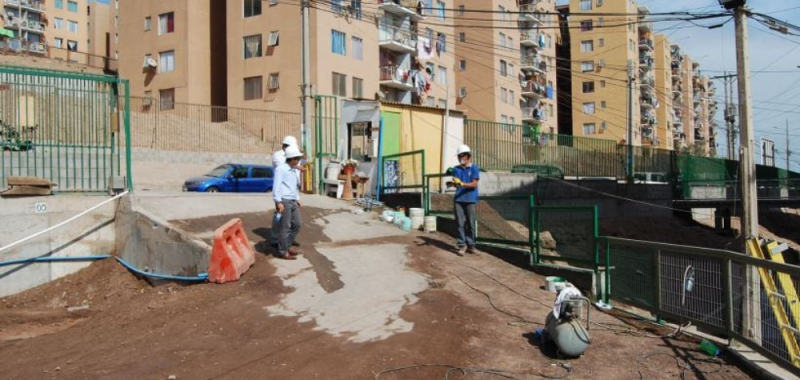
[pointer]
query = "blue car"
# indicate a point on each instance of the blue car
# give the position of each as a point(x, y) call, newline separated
point(233, 178)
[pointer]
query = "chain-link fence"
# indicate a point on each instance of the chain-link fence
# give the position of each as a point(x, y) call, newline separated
point(568, 234)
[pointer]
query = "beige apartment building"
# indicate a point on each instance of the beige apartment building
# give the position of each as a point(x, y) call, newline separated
point(28, 21)
point(664, 75)
point(507, 66)
point(100, 19)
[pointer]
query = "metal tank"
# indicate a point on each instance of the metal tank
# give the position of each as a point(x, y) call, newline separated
point(568, 332)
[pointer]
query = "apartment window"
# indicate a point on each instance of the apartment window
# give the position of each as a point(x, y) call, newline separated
point(72, 45)
point(511, 69)
point(166, 23)
point(603, 104)
point(431, 69)
point(252, 8)
point(338, 43)
point(441, 77)
point(513, 120)
point(601, 42)
point(358, 49)
point(549, 40)
point(58, 42)
point(273, 2)
point(586, 26)
point(72, 26)
point(462, 65)
point(510, 42)
point(587, 46)
point(461, 10)
point(504, 119)
point(443, 39)
point(601, 63)
point(116, 38)
point(148, 23)
point(462, 37)
point(166, 99)
point(166, 62)
point(72, 7)
point(503, 68)
point(503, 95)
point(116, 21)
point(588, 87)
point(586, 5)
point(599, 3)
point(588, 108)
point(440, 6)
point(252, 46)
point(339, 84)
point(602, 83)
point(358, 88)
point(58, 23)
point(274, 81)
point(502, 11)
point(59, 4)
point(273, 38)
point(356, 6)
point(253, 88)
point(550, 110)
point(462, 92)
point(511, 97)
point(430, 101)
point(587, 66)
point(429, 33)
point(442, 103)
point(503, 40)
point(428, 6)
point(601, 21)
point(589, 129)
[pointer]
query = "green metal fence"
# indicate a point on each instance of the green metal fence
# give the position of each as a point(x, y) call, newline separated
point(63, 127)
point(326, 133)
point(403, 171)
point(568, 234)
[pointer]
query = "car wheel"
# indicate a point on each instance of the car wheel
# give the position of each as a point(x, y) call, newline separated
point(212, 189)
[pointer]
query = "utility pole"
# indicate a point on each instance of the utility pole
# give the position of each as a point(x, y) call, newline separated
point(305, 52)
point(629, 154)
point(788, 152)
point(730, 113)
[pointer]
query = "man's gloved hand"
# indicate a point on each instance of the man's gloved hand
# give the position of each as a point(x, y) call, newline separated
point(457, 182)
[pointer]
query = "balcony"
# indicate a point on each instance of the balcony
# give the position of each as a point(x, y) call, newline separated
point(30, 26)
point(533, 90)
point(646, 60)
point(401, 8)
point(533, 115)
point(396, 77)
point(22, 46)
point(529, 39)
point(398, 40)
point(528, 12)
point(34, 6)
point(646, 44)
point(533, 63)
point(648, 83)
point(677, 75)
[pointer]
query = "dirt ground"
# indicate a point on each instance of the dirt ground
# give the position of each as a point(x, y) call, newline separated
point(477, 312)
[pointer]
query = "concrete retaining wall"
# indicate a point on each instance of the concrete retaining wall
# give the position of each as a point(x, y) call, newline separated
point(151, 244)
point(497, 183)
point(587, 193)
point(92, 234)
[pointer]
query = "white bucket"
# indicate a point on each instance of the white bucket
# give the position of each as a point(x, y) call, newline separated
point(417, 217)
point(332, 171)
point(429, 223)
point(412, 212)
point(554, 283)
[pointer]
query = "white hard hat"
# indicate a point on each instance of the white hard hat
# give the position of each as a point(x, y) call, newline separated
point(290, 140)
point(463, 149)
point(293, 151)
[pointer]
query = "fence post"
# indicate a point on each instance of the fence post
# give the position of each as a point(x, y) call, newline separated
point(727, 286)
point(127, 120)
point(607, 292)
point(532, 234)
point(657, 294)
point(538, 223)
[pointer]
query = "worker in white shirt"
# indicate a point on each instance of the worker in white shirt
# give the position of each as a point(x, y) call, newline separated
point(286, 195)
point(278, 159)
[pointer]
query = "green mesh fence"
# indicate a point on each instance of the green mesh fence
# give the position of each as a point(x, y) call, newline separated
point(567, 234)
point(505, 220)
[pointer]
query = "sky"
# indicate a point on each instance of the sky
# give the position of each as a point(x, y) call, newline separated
point(776, 95)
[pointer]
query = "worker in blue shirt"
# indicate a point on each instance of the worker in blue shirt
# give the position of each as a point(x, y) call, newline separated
point(286, 195)
point(465, 178)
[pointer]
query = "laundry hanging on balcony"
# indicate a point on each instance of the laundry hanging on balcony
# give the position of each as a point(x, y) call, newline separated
point(424, 49)
point(549, 92)
point(542, 41)
point(440, 43)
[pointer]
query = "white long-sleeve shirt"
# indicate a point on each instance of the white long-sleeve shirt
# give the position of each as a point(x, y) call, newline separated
point(278, 158)
point(285, 184)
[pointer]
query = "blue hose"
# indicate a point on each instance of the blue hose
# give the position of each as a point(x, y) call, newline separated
point(199, 277)
point(49, 259)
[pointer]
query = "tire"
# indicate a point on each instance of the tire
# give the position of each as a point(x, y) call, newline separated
point(212, 189)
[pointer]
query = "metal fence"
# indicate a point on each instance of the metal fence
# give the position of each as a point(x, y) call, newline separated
point(402, 172)
point(61, 126)
point(162, 124)
point(326, 133)
point(709, 288)
point(568, 234)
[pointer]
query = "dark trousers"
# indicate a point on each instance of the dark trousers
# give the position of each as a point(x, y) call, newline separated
point(289, 226)
point(465, 219)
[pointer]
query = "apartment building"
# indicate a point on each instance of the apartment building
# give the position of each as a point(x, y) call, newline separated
point(68, 25)
point(648, 98)
point(27, 21)
point(100, 21)
point(507, 61)
point(664, 76)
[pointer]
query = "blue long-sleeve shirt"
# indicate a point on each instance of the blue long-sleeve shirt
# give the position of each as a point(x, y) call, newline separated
point(285, 184)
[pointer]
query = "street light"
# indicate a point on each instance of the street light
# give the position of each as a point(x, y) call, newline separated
point(732, 4)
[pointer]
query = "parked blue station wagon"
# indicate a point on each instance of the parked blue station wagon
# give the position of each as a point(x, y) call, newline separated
point(233, 178)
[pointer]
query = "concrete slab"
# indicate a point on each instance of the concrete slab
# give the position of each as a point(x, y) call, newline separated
point(759, 364)
point(346, 226)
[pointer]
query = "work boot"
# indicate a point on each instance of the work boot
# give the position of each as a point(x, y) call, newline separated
point(461, 250)
point(474, 251)
point(295, 251)
point(296, 244)
point(287, 256)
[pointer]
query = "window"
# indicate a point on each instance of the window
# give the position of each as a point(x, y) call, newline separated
point(430, 68)
point(588, 87)
point(358, 88)
point(339, 84)
point(602, 126)
point(166, 62)
point(358, 49)
point(603, 104)
point(513, 120)
point(58, 23)
point(503, 40)
point(273, 2)
point(262, 172)
point(586, 26)
point(429, 7)
point(442, 103)
point(601, 21)
point(462, 37)
point(251, 46)
point(72, 45)
point(72, 7)
point(146, 63)
point(359, 136)
point(58, 42)
point(116, 38)
point(252, 8)
point(503, 95)
point(504, 119)
point(462, 92)
point(503, 68)
point(511, 97)
point(252, 88)
point(550, 110)
point(587, 66)
point(631, 45)
point(273, 38)
point(116, 21)
point(72, 26)
point(588, 108)
point(502, 11)
point(442, 39)
point(587, 46)
point(462, 65)
point(356, 6)
point(440, 6)
point(429, 33)
point(166, 99)
point(274, 81)
point(59, 4)
point(586, 5)
point(338, 42)
point(589, 129)
point(599, 3)
point(601, 42)
point(601, 63)
point(166, 23)
point(441, 77)
point(510, 42)
point(461, 10)
point(602, 83)
point(148, 23)
point(430, 101)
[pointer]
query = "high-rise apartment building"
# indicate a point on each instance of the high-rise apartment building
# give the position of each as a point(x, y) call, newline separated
point(27, 20)
point(665, 77)
point(507, 62)
point(68, 24)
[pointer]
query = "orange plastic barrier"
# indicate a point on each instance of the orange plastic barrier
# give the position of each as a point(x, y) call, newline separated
point(232, 254)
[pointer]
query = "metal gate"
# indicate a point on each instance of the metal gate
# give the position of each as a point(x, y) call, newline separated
point(326, 136)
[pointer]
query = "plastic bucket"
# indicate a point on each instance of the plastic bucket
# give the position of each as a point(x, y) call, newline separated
point(429, 223)
point(332, 171)
point(412, 212)
point(406, 225)
point(551, 283)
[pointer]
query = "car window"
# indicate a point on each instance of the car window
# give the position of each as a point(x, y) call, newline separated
point(262, 173)
point(240, 172)
point(640, 177)
point(659, 178)
point(219, 171)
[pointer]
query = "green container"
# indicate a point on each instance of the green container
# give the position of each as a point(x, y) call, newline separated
point(709, 348)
